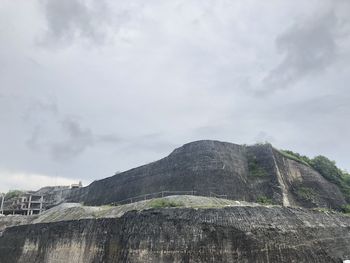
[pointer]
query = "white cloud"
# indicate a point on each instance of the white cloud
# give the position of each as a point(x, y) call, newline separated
point(12, 180)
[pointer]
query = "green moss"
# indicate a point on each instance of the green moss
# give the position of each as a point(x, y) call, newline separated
point(162, 203)
point(264, 200)
point(296, 157)
point(255, 169)
point(346, 209)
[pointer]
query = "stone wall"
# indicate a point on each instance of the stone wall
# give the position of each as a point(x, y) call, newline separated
point(247, 173)
point(235, 234)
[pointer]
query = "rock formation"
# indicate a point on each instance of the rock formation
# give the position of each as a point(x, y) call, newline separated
point(233, 234)
point(298, 221)
point(240, 172)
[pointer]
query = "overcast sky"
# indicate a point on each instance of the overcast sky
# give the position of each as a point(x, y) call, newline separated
point(88, 88)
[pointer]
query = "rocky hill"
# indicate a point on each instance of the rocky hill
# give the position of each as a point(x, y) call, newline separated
point(249, 173)
point(296, 221)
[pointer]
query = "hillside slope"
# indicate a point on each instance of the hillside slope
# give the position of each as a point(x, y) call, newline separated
point(250, 173)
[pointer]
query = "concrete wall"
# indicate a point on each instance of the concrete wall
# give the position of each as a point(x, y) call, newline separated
point(236, 234)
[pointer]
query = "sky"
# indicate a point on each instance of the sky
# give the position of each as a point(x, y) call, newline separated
point(89, 88)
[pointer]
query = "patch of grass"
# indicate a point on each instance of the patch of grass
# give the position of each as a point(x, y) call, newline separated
point(254, 168)
point(326, 167)
point(295, 157)
point(306, 193)
point(264, 200)
point(163, 203)
point(346, 209)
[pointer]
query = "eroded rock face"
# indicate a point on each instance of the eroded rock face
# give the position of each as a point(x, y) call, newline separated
point(240, 172)
point(235, 234)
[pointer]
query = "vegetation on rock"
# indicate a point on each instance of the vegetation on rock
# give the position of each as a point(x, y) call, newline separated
point(296, 157)
point(13, 193)
point(346, 209)
point(264, 200)
point(162, 203)
point(254, 168)
point(327, 168)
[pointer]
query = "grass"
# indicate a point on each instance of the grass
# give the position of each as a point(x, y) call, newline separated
point(254, 168)
point(163, 203)
point(264, 200)
point(346, 209)
point(293, 157)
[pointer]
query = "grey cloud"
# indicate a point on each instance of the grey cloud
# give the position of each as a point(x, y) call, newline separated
point(71, 19)
point(152, 142)
point(46, 106)
point(73, 139)
point(320, 109)
point(263, 137)
point(175, 81)
point(33, 142)
point(78, 140)
point(308, 47)
point(108, 138)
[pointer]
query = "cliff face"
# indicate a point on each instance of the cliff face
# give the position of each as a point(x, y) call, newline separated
point(234, 234)
point(241, 172)
point(242, 232)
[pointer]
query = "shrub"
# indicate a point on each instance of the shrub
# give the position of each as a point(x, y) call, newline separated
point(327, 168)
point(254, 168)
point(296, 157)
point(264, 200)
point(13, 193)
point(346, 209)
point(162, 203)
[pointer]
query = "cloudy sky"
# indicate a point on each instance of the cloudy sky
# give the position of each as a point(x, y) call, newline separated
point(88, 87)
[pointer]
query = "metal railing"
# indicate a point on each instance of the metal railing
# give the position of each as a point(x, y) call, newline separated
point(164, 194)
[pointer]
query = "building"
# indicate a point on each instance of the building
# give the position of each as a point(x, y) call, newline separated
point(26, 204)
point(79, 185)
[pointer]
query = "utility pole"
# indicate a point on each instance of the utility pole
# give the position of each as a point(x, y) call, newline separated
point(2, 204)
point(29, 205)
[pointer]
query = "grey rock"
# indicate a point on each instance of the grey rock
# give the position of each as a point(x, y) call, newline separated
point(222, 168)
point(233, 234)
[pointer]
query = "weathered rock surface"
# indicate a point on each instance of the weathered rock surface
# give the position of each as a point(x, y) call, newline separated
point(8, 221)
point(232, 234)
point(77, 211)
point(240, 172)
point(200, 229)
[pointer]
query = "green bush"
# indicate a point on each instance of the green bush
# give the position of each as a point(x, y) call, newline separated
point(264, 200)
point(327, 168)
point(13, 193)
point(162, 203)
point(296, 157)
point(346, 209)
point(254, 168)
